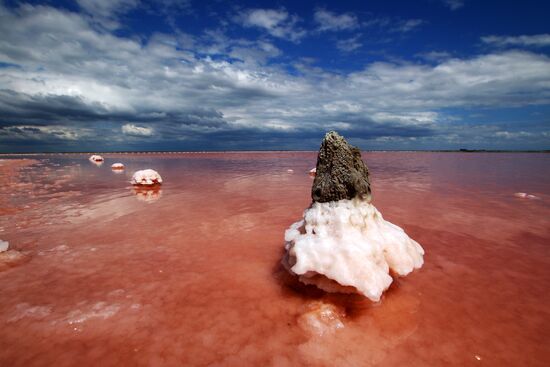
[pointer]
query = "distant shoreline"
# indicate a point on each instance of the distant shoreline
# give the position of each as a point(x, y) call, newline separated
point(275, 151)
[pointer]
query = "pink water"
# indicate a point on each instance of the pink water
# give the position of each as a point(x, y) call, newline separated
point(189, 275)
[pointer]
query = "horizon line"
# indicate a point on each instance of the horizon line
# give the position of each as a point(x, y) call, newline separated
point(280, 151)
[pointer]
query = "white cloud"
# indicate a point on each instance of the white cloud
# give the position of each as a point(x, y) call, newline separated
point(329, 21)
point(105, 12)
point(454, 4)
point(438, 56)
point(349, 44)
point(68, 74)
point(407, 25)
point(537, 40)
point(277, 22)
point(393, 24)
point(131, 129)
point(107, 8)
point(521, 134)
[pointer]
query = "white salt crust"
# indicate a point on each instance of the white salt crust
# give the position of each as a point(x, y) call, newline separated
point(96, 158)
point(524, 195)
point(117, 166)
point(4, 245)
point(146, 177)
point(349, 242)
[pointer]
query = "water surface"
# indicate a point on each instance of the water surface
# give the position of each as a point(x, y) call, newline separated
point(190, 274)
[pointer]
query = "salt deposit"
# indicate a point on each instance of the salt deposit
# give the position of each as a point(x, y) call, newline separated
point(313, 171)
point(96, 158)
point(321, 318)
point(343, 244)
point(4, 245)
point(349, 242)
point(524, 195)
point(147, 177)
point(117, 166)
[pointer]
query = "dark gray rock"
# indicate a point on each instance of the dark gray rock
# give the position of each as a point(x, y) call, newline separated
point(341, 173)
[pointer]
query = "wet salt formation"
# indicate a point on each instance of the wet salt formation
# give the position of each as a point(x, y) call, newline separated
point(343, 244)
point(117, 166)
point(146, 177)
point(96, 158)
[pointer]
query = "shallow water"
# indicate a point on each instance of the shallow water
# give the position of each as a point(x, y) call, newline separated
point(190, 274)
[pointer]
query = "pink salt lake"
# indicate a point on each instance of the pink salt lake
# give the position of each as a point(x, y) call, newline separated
point(189, 274)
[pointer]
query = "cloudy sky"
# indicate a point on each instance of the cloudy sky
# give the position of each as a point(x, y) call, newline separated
point(103, 75)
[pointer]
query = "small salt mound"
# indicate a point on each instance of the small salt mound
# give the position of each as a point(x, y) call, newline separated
point(96, 158)
point(313, 171)
point(524, 195)
point(4, 245)
point(117, 166)
point(290, 170)
point(348, 242)
point(146, 177)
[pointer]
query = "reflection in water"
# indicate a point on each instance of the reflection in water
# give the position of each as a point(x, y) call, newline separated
point(108, 281)
point(148, 194)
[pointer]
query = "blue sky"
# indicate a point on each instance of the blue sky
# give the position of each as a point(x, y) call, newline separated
point(104, 75)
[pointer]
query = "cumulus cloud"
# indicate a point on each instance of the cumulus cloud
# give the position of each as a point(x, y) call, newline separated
point(329, 21)
point(537, 40)
point(65, 80)
point(277, 22)
point(131, 129)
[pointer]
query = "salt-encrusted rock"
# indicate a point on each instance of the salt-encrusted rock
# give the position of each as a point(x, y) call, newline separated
point(4, 245)
point(117, 166)
point(147, 177)
point(345, 245)
point(340, 172)
point(96, 158)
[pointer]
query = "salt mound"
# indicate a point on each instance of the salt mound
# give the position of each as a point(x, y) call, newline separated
point(117, 166)
point(349, 242)
point(146, 177)
point(96, 158)
point(343, 244)
point(313, 171)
